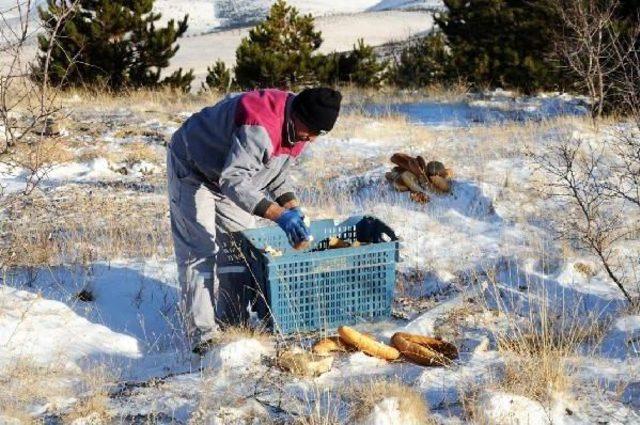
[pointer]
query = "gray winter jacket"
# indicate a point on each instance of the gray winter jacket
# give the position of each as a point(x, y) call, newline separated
point(240, 145)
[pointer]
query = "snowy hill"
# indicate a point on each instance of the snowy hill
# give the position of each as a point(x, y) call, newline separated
point(208, 15)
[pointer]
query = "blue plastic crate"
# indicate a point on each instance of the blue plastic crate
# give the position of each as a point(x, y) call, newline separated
point(322, 289)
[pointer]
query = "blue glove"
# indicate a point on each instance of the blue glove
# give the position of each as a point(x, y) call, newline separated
point(298, 210)
point(291, 222)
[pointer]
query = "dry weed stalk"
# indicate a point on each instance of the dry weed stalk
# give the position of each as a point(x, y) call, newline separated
point(321, 409)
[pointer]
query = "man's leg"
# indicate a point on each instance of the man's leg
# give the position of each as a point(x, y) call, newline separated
point(192, 208)
point(236, 283)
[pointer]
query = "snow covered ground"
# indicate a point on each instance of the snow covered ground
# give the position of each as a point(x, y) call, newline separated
point(477, 265)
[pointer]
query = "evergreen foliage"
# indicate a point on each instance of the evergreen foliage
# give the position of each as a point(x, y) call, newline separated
point(279, 52)
point(424, 62)
point(505, 43)
point(112, 44)
point(360, 67)
point(629, 10)
point(218, 77)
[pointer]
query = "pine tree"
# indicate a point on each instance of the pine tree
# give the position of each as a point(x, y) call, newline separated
point(218, 77)
point(113, 44)
point(279, 51)
point(363, 67)
point(360, 67)
point(505, 43)
point(629, 10)
point(422, 63)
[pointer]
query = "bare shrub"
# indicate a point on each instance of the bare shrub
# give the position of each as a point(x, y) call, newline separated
point(28, 105)
point(601, 52)
point(597, 186)
point(598, 182)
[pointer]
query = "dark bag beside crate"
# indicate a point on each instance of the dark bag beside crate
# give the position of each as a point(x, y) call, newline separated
point(322, 289)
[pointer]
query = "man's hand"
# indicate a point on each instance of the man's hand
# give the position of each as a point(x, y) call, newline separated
point(291, 221)
point(274, 212)
point(292, 204)
point(304, 218)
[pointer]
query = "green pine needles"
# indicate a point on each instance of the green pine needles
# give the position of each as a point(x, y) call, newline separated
point(279, 52)
point(501, 43)
point(111, 44)
point(282, 52)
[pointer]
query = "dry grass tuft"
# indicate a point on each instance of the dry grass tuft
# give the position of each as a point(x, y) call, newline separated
point(94, 402)
point(75, 226)
point(585, 268)
point(24, 384)
point(136, 152)
point(533, 368)
point(164, 100)
point(365, 397)
point(317, 418)
point(238, 332)
point(537, 356)
point(321, 410)
point(44, 153)
point(90, 153)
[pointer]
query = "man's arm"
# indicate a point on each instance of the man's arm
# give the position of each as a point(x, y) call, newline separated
point(274, 211)
point(245, 159)
point(281, 190)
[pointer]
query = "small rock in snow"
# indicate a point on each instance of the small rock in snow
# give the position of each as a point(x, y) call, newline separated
point(238, 355)
point(387, 412)
point(500, 408)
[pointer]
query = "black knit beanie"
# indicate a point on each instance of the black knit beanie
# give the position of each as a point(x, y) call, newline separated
point(317, 108)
